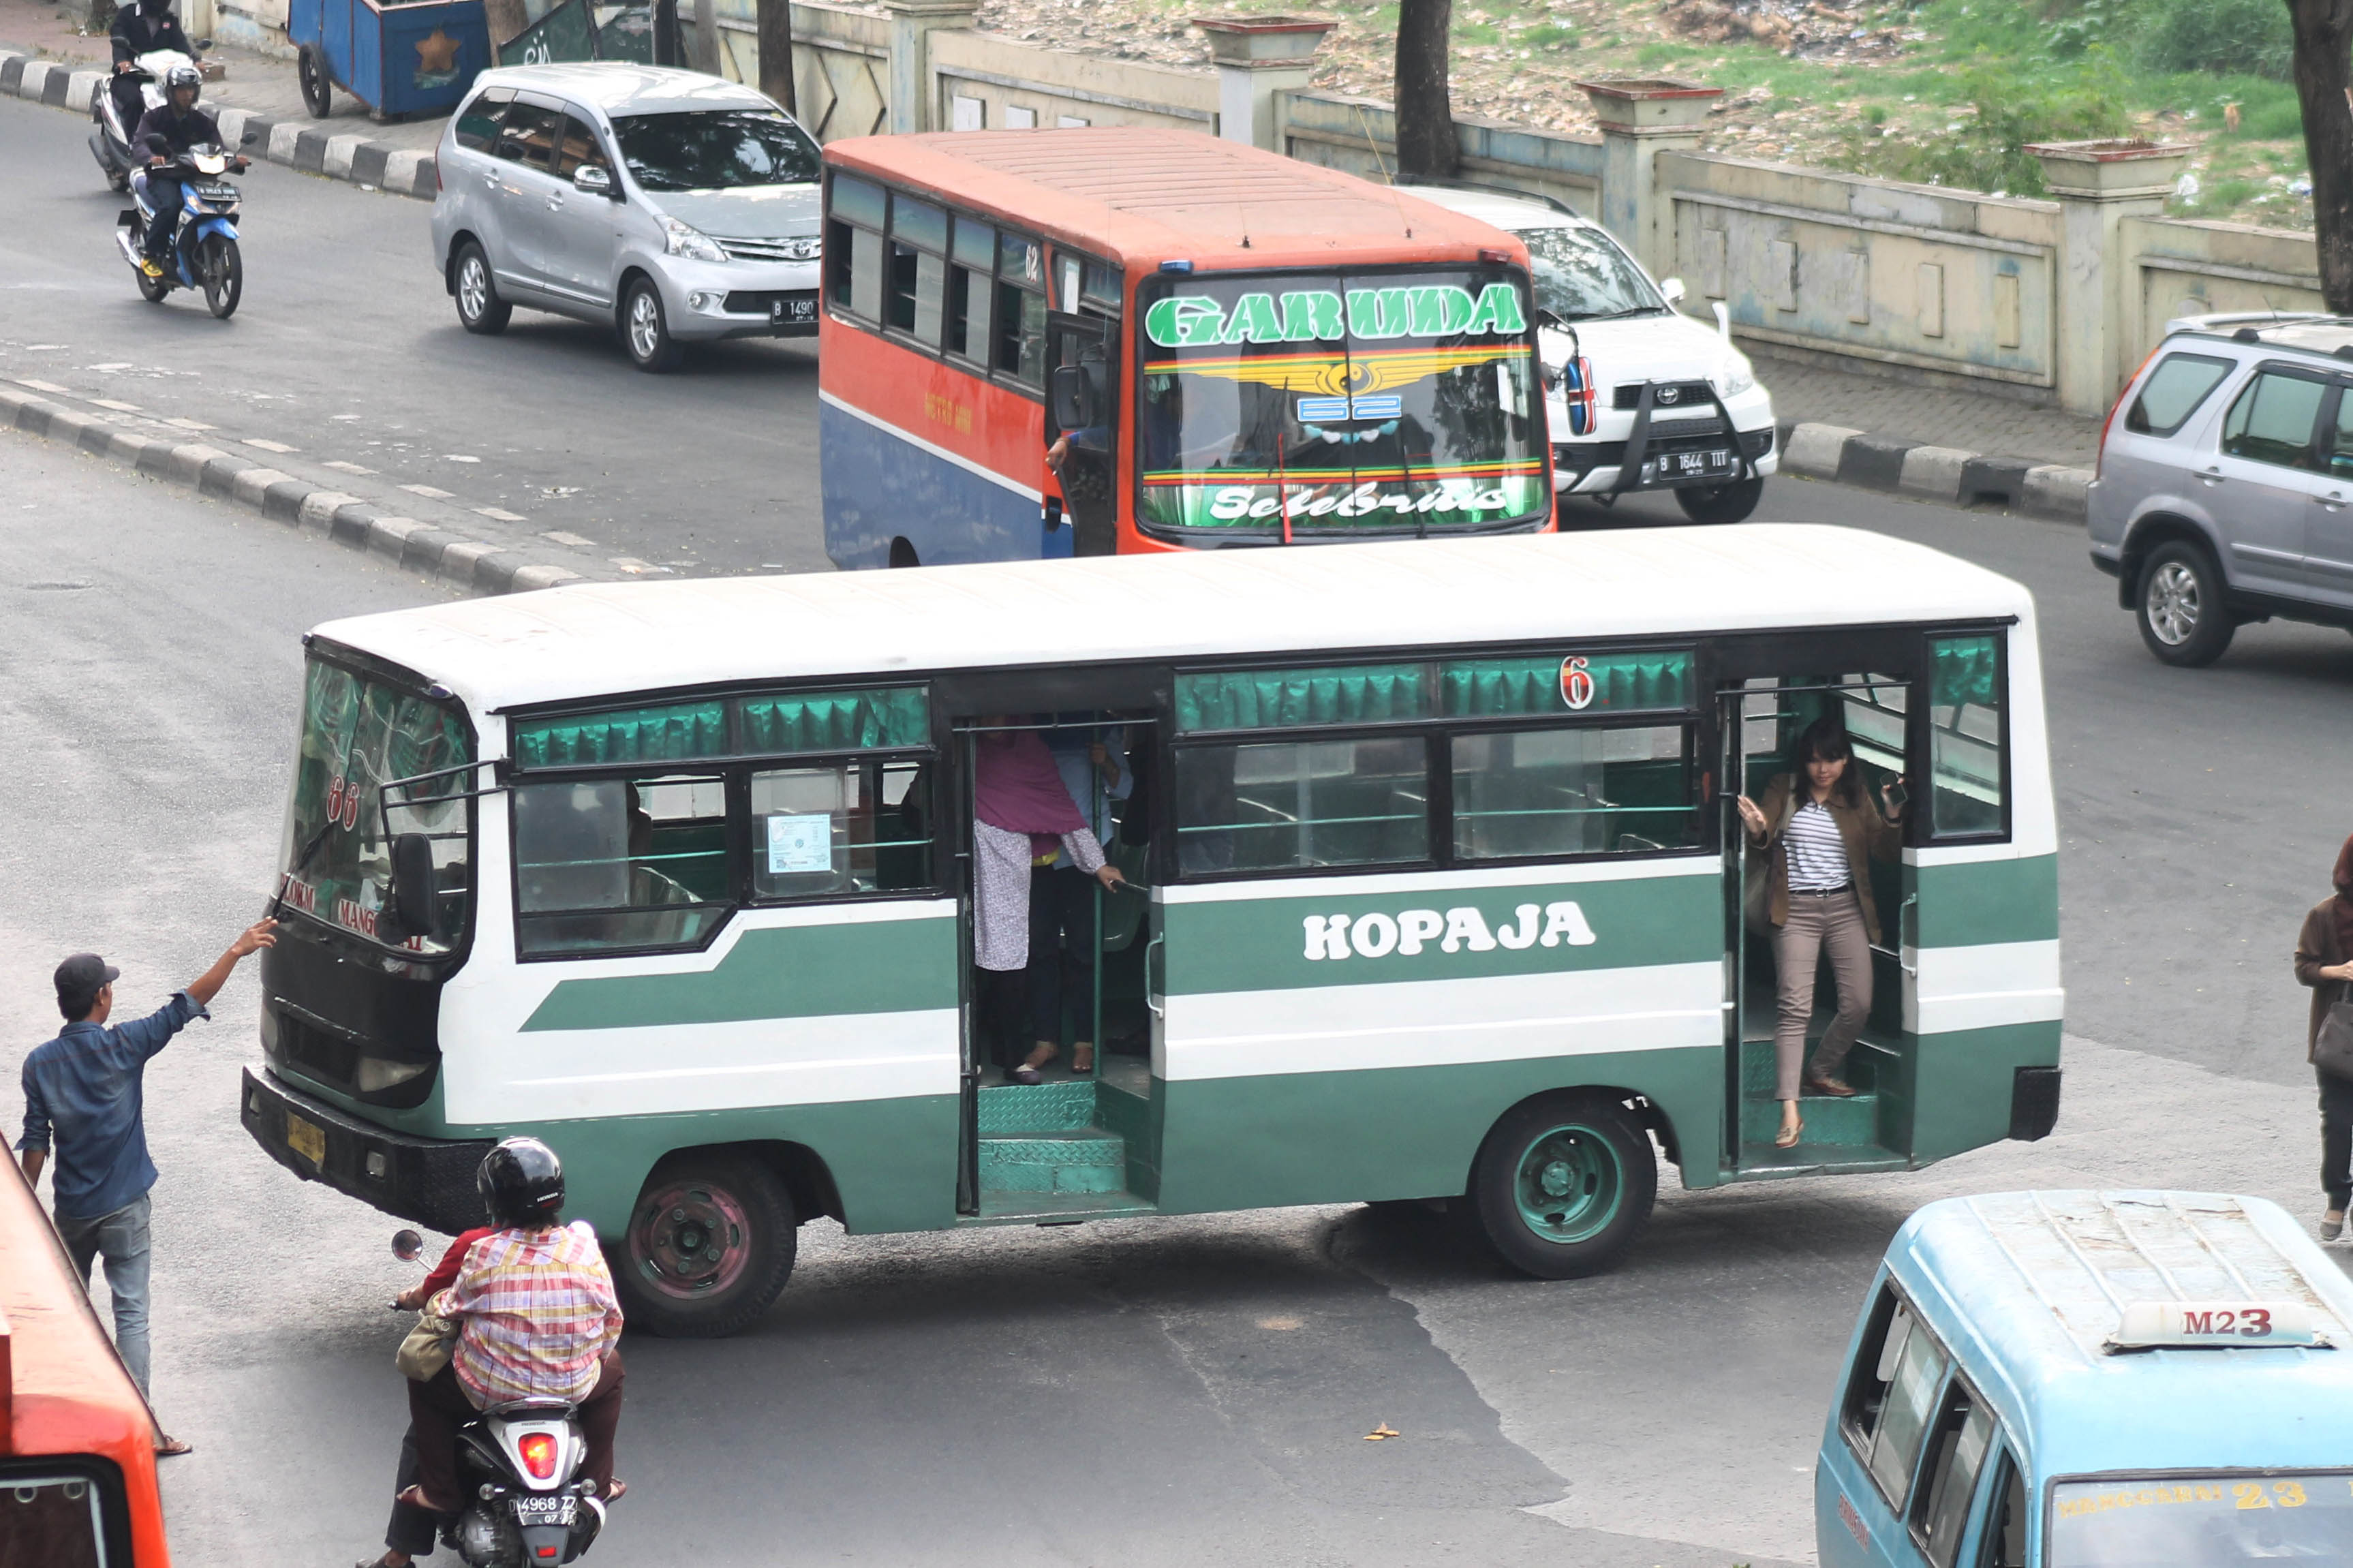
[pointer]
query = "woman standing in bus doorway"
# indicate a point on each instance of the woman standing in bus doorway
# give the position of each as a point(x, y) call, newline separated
point(1023, 816)
point(2322, 949)
point(1823, 834)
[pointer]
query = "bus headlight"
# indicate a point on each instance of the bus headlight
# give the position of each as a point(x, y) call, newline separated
point(683, 239)
point(379, 1073)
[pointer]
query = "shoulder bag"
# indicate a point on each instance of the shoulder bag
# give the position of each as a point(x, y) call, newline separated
point(427, 1350)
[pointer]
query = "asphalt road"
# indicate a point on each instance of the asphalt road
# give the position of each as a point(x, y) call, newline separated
point(1142, 1392)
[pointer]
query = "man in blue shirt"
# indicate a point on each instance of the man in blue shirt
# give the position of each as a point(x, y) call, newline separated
point(84, 1092)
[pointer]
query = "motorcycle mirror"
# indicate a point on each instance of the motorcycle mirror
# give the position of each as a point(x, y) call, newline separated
point(406, 1244)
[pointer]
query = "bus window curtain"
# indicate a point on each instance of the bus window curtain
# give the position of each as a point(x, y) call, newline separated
point(1622, 683)
point(1280, 698)
point(668, 735)
point(1963, 670)
point(836, 721)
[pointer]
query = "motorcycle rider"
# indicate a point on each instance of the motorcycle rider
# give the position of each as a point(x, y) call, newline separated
point(538, 1320)
point(165, 131)
point(139, 27)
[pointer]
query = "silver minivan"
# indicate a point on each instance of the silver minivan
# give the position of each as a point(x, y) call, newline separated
point(2225, 493)
point(677, 207)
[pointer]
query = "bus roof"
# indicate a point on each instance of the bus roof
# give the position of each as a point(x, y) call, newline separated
point(1140, 194)
point(2029, 1289)
point(613, 638)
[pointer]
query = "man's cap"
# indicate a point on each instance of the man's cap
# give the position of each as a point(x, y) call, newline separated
point(81, 975)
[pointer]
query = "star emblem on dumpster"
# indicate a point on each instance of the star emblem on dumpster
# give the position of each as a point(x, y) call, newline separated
point(436, 53)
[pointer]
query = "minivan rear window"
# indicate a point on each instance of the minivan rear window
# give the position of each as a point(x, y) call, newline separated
point(2173, 392)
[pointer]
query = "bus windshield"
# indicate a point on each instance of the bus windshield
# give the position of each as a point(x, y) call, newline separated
point(359, 734)
point(2201, 1522)
point(1338, 403)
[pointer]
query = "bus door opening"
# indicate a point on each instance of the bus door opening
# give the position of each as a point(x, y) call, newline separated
point(1763, 722)
point(1058, 1036)
point(1083, 428)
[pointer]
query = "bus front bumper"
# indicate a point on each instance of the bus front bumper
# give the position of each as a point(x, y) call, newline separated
point(428, 1180)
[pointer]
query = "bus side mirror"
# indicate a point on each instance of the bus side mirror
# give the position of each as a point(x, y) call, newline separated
point(412, 883)
point(1071, 397)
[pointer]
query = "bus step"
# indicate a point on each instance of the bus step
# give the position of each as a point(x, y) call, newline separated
point(1064, 1107)
point(1053, 1208)
point(1080, 1160)
point(1763, 1162)
point(1829, 1122)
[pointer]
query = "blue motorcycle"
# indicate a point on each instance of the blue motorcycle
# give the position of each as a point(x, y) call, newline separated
point(203, 253)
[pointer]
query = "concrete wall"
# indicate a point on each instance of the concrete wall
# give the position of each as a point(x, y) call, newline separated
point(1895, 275)
point(2176, 267)
point(1359, 135)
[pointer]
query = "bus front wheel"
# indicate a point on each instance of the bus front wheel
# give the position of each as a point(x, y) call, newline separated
point(1564, 1184)
point(710, 1245)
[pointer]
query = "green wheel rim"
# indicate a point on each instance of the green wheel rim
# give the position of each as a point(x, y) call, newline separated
point(1569, 1184)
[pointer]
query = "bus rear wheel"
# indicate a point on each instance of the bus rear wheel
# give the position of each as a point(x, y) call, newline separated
point(710, 1244)
point(1564, 1184)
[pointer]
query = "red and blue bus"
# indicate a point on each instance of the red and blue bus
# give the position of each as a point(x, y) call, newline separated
point(1094, 340)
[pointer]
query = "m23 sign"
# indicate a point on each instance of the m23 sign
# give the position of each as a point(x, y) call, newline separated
point(1322, 315)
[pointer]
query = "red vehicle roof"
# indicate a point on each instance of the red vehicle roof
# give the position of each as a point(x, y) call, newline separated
point(1141, 196)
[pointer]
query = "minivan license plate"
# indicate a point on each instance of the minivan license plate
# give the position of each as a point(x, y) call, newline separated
point(544, 1510)
point(792, 310)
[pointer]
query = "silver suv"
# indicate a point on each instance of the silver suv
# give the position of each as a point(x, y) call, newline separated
point(674, 205)
point(2225, 487)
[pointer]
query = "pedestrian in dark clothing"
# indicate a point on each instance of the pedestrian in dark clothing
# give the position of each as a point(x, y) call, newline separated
point(85, 1093)
point(140, 28)
point(2322, 950)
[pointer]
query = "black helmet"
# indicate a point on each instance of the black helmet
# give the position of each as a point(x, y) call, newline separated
point(179, 77)
point(521, 1183)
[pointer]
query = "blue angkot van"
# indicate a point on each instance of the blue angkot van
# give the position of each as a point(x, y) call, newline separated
point(2095, 1380)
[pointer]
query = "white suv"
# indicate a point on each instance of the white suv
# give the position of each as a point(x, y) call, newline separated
point(1640, 396)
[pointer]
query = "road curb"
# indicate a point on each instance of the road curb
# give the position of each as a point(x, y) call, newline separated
point(1930, 472)
point(302, 145)
point(466, 564)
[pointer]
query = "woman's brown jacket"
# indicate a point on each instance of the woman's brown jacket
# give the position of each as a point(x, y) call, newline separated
point(1867, 835)
point(2316, 946)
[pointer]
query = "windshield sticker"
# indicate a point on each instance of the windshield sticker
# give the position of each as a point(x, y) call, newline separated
point(1334, 410)
point(1319, 315)
point(800, 842)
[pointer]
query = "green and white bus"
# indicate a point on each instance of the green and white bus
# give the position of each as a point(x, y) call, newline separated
point(1437, 891)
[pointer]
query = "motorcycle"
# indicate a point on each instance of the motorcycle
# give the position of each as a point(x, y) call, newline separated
point(527, 1502)
point(203, 253)
point(110, 143)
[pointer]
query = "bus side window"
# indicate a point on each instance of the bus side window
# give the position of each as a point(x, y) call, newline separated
point(854, 258)
point(1948, 1482)
point(970, 289)
point(919, 234)
point(2004, 1542)
point(1966, 738)
point(613, 863)
point(839, 828)
point(1020, 349)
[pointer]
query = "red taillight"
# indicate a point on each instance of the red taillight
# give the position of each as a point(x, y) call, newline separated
point(547, 1551)
point(538, 1451)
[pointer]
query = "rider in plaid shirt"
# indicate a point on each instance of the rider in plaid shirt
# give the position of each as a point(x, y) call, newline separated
point(538, 1320)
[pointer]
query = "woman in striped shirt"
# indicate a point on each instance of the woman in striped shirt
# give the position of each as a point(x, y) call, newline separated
point(539, 1320)
point(1822, 835)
